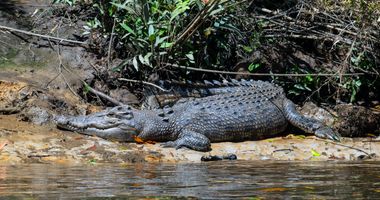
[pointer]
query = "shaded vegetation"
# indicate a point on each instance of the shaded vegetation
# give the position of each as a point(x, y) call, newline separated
point(288, 37)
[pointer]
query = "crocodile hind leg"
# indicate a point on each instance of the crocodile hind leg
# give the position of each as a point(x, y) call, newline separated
point(191, 140)
point(306, 124)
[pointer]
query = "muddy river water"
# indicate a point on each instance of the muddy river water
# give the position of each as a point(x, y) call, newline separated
point(248, 179)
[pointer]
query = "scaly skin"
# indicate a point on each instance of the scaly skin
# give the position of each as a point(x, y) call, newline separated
point(247, 110)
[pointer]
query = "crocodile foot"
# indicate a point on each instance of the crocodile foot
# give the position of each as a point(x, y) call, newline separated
point(191, 140)
point(327, 133)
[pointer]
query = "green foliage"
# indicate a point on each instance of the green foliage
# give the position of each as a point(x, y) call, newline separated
point(149, 32)
point(92, 161)
point(150, 35)
point(303, 84)
point(253, 67)
point(86, 88)
point(146, 28)
point(315, 153)
point(353, 85)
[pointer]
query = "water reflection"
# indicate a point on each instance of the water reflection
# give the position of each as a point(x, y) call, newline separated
point(318, 180)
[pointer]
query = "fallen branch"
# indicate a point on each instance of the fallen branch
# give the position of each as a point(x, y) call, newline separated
point(42, 36)
point(260, 74)
point(144, 82)
point(343, 145)
point(110, 44)
point(10, 110)
point(102, 95)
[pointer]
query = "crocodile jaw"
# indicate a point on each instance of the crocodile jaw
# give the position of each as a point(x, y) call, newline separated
point(100, 126)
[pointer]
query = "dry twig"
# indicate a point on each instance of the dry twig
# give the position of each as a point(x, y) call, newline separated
point(42, 36)
point(258, 74)
point(144, 82)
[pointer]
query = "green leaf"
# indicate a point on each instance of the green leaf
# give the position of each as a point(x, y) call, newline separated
point(247, 49)
point(141, 59)
point(145, 10)
point(358, 83)
point(86, 88)
point(253, 67)
point(92, 161)
point(309, 78)
point(299, 86)
point(166, 45)
point(315, 153)
point(307, 87)
point(150, 30)
point(124, 6)
point(127, 28)
point(300, 136)
point(146, 59)
point(293, 92)
point(160, 40)
point(216, 11)
point(190, 56)
point(181, 7)
point(135, 63)
point(152, 38)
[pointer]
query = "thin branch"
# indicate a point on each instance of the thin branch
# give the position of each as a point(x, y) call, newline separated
point(42, 36)
point(110, 44)
point(259, 74)
point(310, 37)
point(343, 145)
point(144, 82)
point(196, 22)
point(10, 110)
point(102, 95)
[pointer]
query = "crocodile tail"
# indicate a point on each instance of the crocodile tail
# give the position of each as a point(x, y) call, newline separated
point(208, 87)
point(176, 90)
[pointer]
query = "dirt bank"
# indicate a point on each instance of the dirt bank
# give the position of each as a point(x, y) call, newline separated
point(22, 142)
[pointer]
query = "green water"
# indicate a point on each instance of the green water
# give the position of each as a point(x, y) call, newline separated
point(215, 180)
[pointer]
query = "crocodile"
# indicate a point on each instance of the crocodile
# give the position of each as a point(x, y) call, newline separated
point(235, 111)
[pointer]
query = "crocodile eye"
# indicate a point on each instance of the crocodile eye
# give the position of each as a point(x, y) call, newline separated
point(128, 116)
point(111, 114)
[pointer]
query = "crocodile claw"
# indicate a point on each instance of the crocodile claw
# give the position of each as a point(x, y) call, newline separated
point(169, 144)
point(328, 133)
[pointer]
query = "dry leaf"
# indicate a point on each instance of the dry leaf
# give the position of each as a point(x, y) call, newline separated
point(139, 140)
point(92, 148)
point(3, 144)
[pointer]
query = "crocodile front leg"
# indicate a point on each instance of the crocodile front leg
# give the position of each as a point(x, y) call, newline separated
point(191, 140)
point(307, 124)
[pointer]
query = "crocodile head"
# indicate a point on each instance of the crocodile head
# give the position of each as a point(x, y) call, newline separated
point(107, 124)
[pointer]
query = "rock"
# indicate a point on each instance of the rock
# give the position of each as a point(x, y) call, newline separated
point(347, 119)
point(310, 109)
point(356, 121)
point(124, 95)
point(36, 115)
